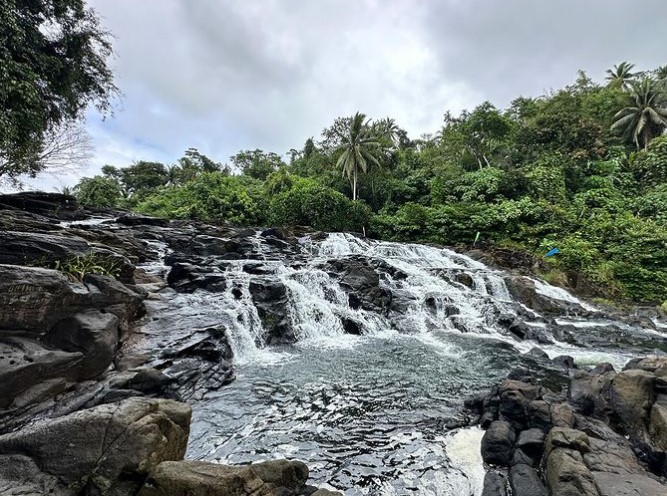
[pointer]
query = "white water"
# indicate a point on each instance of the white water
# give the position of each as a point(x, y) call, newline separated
point(362, 411)
point(433, 299)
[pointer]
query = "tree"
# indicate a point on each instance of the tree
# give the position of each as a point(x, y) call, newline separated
point(98, 191)
point(53, 64)
point(257, 163)
point(360, 147)
point(621, 75)
point(63, 149)
point(143, 177)
point(193, 163)
point(646, 116)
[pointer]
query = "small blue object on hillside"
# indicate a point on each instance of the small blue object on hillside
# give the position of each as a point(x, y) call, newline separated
point(552, 252)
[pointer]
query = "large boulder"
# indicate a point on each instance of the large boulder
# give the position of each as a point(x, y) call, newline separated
point(94, 333)
point(609, 484)
point(524, 481)
point(588, 393)
point(567, 474)
point(498, 443)
point(187, 277)
point(614, 455)
point(141, 220)
point(48, 249)
point(55, 205)
point(562, 437)
point(524, 290)
point(199, 362)
point(658, 426)
point(33, 300)
point(26, 364)
point(20, 476)
point(361, 280)
point(273, 478)
point(271, 300)
point(21, 248)
point(631, 397)
point(105, 451)
point(518, 403)
point(495, 484)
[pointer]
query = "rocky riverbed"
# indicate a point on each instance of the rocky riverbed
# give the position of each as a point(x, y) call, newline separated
point(128, 343)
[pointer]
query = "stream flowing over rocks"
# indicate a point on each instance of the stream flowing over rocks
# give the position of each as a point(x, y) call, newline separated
point(229, 361)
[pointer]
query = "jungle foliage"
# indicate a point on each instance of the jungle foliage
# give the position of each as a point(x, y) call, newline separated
point(582, 169)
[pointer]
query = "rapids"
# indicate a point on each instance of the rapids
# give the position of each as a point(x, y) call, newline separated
point(375, 413)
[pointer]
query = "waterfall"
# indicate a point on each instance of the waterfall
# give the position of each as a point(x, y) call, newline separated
point(386, 340)
point(427, 290)
point(433, 289)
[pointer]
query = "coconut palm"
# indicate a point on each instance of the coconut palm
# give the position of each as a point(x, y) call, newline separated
point(174, 174)
point(621, 75)
point(647, 116)
point(388, 129)
point(360, 148)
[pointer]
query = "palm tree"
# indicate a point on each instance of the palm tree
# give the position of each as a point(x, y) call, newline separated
point(647, 116)
point(359, 147)
point(621, 75)
point(388, 129)
point(174, 173)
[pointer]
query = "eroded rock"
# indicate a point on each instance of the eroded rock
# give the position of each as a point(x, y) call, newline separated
point(273, 478)
point(103, 450)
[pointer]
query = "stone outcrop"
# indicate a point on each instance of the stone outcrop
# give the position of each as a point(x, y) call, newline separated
point(106, 450)
point(49, 205)
point(205, 479)
point(605, 437)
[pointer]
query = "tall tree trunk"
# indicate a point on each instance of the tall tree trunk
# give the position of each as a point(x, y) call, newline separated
point(354, 186)
point(647, 137)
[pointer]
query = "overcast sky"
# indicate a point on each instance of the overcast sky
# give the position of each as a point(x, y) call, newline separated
point(225, 75)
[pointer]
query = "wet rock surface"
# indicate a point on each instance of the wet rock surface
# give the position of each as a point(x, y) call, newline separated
point(116, 357)
point(600, 436)
point(80, 362)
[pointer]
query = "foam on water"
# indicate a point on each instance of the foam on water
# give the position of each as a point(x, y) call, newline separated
point(364, 411)
point(557, 293)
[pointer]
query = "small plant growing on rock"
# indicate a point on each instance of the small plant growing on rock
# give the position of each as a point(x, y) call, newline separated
point(76, 268)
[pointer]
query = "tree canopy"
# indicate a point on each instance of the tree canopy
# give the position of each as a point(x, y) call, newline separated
point(582, 169)
point(53, 65)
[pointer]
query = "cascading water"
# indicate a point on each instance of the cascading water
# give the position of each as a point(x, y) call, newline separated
point(364, 394)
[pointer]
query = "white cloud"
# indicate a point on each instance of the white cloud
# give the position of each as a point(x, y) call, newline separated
point(233, 74)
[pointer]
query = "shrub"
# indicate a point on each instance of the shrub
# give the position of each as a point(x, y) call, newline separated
point(320, 207)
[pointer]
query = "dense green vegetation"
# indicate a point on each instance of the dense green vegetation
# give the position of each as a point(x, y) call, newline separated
point(582, 169)
point(53, 65)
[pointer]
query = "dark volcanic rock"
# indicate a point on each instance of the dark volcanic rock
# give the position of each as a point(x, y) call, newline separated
point(141, 220)
point(21, 248)
point(270, 298)
point(495, 484)
point(33, 300)
point(199, 363)
point(524, 481)
point(613, 454)
point(498, 443)
point(610, 484)
point(55, 205)
point(26, 364)
point(187, 277)
point(362, 282)
point(92, 332)
point(523, 289)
